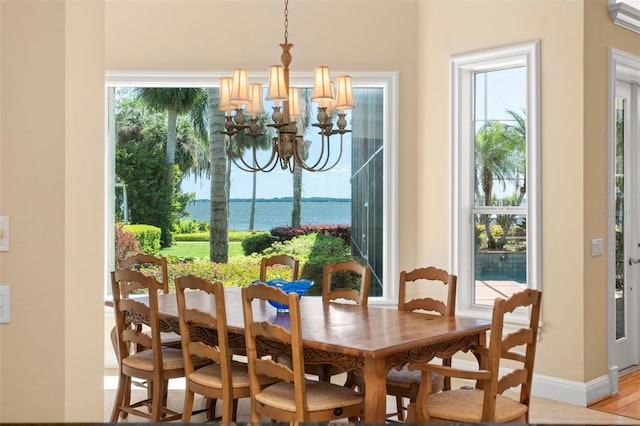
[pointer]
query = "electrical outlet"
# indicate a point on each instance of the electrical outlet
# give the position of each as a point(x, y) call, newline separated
point(596, 247)
point(5, 304)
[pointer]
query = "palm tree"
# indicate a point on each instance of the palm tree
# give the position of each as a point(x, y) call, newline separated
point(518, 133)
point(175, 101)
point(219, 229)
point(497, 156)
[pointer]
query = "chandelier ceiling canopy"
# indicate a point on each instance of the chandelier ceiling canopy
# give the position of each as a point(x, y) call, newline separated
point(238, 98)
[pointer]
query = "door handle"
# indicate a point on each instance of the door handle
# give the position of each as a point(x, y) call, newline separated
point(632, 261)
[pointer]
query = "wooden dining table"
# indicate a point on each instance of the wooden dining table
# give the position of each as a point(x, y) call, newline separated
point(369, 340)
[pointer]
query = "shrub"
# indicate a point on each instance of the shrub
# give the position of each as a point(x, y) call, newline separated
point(239, 236)
point(284, 233)
point(313, 251)
point(125, 242)
point(234, 236)
point(148, 237)
point(195, 236)
point(239, 273)
point(190, 226)
point(256, 243)
point(497, 231)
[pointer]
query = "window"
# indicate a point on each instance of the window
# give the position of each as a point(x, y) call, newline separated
point(495, 150)
point(373, 161)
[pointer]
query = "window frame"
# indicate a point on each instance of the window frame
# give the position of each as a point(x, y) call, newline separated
point(388, 80)
point(463, 68)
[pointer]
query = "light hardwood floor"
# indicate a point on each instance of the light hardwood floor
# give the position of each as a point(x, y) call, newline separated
point(627, 401)
point(542, 410)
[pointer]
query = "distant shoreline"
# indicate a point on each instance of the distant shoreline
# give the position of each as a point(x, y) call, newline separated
point(284, 199)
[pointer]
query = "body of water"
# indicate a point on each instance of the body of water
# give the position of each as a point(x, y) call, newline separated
point(273, 213)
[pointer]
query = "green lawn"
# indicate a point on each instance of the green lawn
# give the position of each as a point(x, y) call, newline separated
point(197, 249)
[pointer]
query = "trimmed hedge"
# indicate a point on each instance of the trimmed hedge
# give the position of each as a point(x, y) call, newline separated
point(148, 237)
point(257, 243)
point(234, 236)
point(285, 233)
point(194, 236)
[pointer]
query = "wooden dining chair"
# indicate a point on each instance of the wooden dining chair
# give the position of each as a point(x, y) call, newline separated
point(404, 383)
point(486, 403)
point(151, 362)
point(224, 379)
point(276, 260)
point(346, 281)
point(156, 266)
point(293, 398)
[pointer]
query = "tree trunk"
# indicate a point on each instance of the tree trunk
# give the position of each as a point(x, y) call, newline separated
point(296, 211)
point(303, 125)
point(252, 216)
point(172, 118)
point(487, 188)
point(219, 233)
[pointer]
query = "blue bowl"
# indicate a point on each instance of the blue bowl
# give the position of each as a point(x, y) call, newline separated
point(299, 287)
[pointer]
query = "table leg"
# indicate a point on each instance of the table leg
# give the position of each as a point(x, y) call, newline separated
point(375, 383)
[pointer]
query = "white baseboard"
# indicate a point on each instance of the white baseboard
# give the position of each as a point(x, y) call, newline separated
point(562, 390)
point(569, 391)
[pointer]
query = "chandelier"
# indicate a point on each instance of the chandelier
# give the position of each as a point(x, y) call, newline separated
point(238, 98)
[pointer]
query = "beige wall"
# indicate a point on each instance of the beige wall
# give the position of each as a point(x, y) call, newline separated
point(51, 185)
point(599, 35)
point(449, 28)
point(52, 170)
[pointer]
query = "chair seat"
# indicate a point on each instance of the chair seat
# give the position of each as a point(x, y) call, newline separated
point(465, 405)
point(408, 377)
point(171, 360)
point(210, 376)
point(320, 396)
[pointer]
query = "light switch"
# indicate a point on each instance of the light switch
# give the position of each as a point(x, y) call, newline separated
point(5, 304)
point(596, 247)
point(4, 233)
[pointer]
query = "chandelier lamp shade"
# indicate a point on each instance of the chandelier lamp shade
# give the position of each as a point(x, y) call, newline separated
point(243, 106)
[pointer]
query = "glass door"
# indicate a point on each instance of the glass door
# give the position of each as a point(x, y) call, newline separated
point(627, 226)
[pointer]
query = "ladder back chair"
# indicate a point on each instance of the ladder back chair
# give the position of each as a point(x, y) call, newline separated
point(293, 398)
point(486, 403)
point(151, 362)
point(279, 260)
point(158, 268)
point(154, 265)
point(224, 379)
point(338, 280)
point(404, 383)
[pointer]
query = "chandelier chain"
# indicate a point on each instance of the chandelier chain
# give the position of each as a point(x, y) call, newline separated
point(286, 21)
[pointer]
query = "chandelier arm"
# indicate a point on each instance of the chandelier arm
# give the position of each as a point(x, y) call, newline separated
point(238, 154)
point(324, 167)
point(321, 156)
point(244, 166)
point(241, 167)
point(270, 164)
